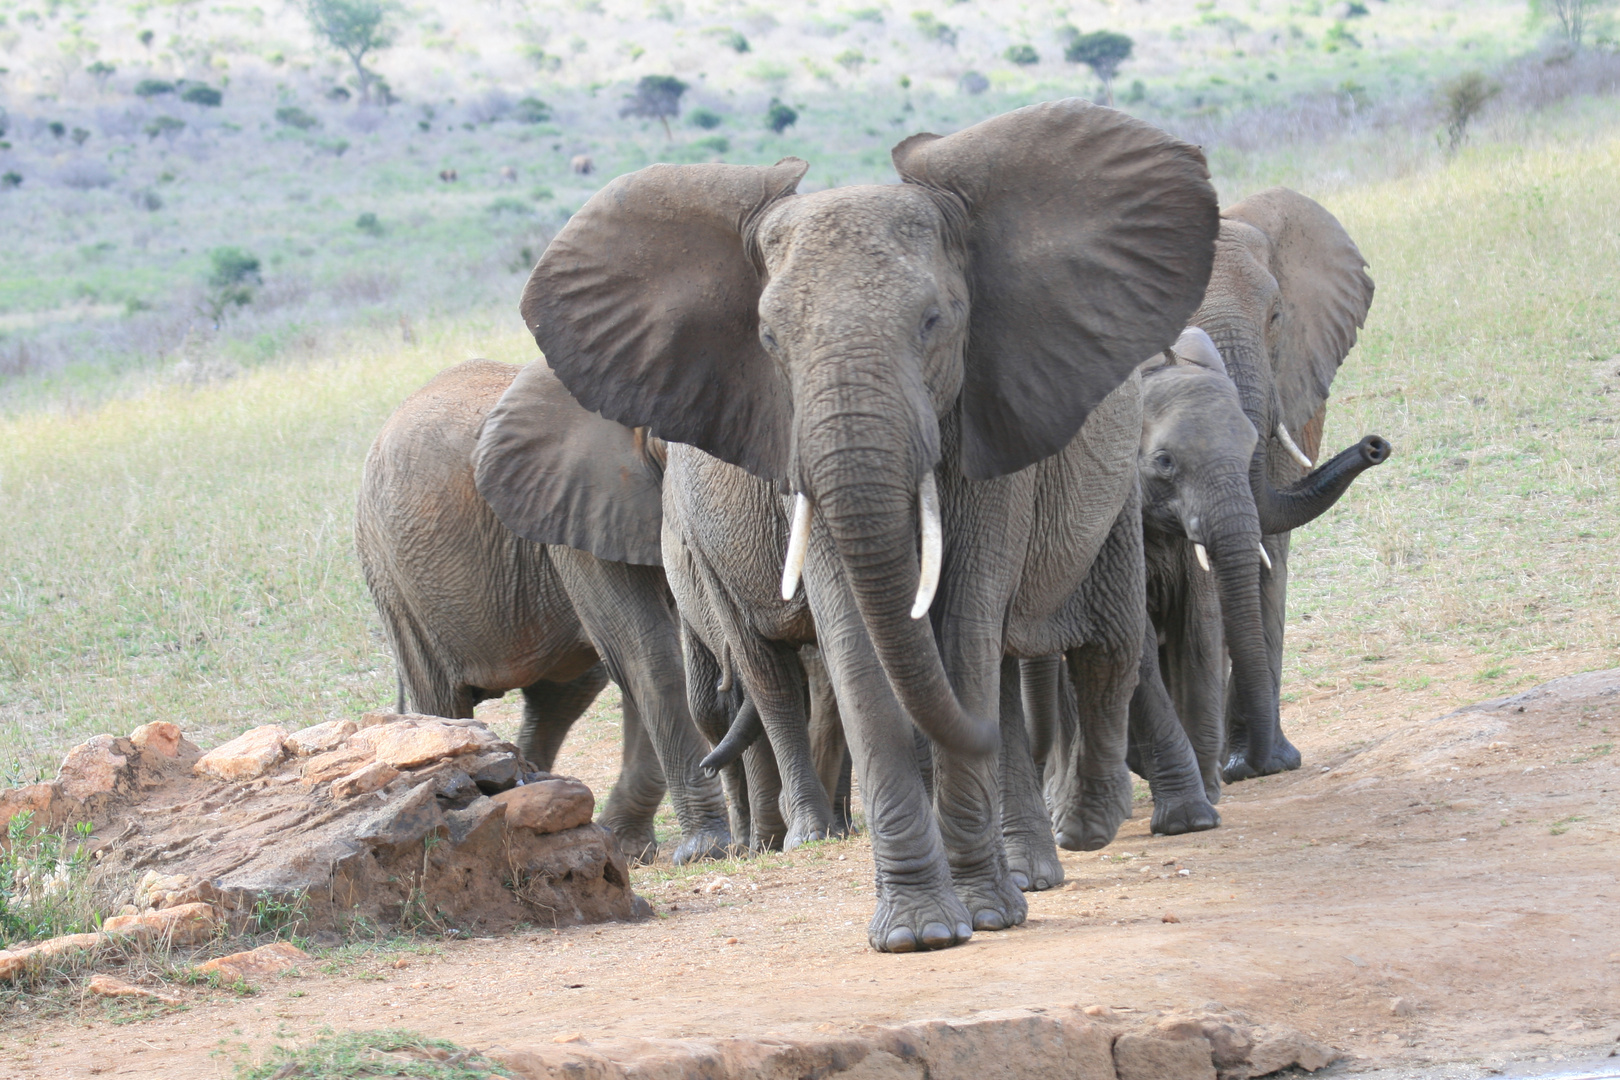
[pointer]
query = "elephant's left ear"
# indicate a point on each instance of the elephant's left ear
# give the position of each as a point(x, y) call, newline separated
point(1325, 295)
point(556, 473)
point(1090, 237)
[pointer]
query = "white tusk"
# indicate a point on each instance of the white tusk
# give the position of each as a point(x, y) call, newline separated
point(1293, 447)
point(1264, 557)
point(933, 545)
point(798, 544)
point(1203, 556)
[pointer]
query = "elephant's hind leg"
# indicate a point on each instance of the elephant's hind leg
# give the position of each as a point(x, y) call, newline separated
point(636, 794)
point(550, 710)
point(1032, 858)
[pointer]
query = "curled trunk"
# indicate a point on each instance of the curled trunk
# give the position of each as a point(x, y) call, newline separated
point(1308, 498)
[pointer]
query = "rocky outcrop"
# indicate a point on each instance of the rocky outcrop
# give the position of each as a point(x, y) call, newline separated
point(1009, 1044)
point(392, 820)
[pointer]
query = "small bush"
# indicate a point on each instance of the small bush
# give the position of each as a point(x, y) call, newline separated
point(10, 180)
point(335, 147)
point(151, 88)
point(166, 126)
point(101, 71)
point(293, 116)
point(972, 82)
point(713, 144)
point(851, 60)
point(1023, 55)
point(373, 1053)
point(531, 110)
point(542, 194)
point(1339, 37)
point(707, 119)
point(80, 136)
point(1461, 99)
point(730, 38)
point(780, 117)
point(148, 200)
point(43, 892)
point(506, 204)
point(233, 271)
point(368, 224)
point(206, 96)
point(929, 26)
point(338, 94)
point(57, 128)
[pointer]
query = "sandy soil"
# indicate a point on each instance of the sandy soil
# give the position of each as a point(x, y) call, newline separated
point(1433, 891)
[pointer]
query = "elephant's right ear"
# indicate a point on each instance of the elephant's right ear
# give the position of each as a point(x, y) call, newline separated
point(646, 305)
point(556, 473)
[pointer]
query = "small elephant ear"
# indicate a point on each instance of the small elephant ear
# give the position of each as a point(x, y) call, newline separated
point(556, 473)
point(1194, 346)
point(1090, 237)
point(1325, 295)
point(646, 305)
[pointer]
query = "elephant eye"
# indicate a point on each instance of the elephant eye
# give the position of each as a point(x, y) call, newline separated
point(767, 337)
point(1164, 462)
point(930, 321)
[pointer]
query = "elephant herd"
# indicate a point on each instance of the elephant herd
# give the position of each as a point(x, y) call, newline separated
point(977, 486)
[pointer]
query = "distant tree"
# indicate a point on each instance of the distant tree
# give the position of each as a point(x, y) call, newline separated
point(972, 82)
point(145, 38)
point(1461, 99)
point(150, 88)
point(368, 224)
point(293, 116)
point(57, 128)
point(11, 180)
point(1230, 25)
point(232, 272)
point(1022, 55)
point(206, 96)
point(80, 135)
point(167, 126)
point(1573, 17)
point(531, 110)
point(929, 26)
point(656, 97)
point(851, 60)
point(780, 117)
point(101, 71)
point(1102, 51)
point(730, 38)
point(707, 119)
point(356, 28)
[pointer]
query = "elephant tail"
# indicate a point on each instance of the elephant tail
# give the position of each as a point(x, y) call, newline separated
point(399, 681)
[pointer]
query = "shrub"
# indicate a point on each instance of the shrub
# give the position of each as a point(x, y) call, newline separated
point(293, 116)
point(166, 126)
point(531, 110)
point(232, 272)
point(206, 96)
point(1339, 37)
point(542, 193)
point(10, 180)
point(780, 117)
point(1023, 55)
point(335, 147)
point(930, 27)
point(80, 136)
point(506, 204)
point(972, 82)
point(368, 224)
point(338, 94)
point(730, 38)
point(712, 144)
point(150, 88)
point(656, 97)
point(707, 119)
point(1461, 99)
point(43, 887)
point(851, 60)
point(101, 71)
point(145, 38)
point(57, 128)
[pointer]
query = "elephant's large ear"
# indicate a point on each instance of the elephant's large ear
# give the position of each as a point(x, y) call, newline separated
point(1325, 294)
point(556, 473)
point(1090, 238)
point(646, 305)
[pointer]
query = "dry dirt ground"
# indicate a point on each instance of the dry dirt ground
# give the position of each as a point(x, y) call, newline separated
point(1423, 891)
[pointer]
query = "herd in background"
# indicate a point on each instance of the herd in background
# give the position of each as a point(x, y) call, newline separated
point(881, 474)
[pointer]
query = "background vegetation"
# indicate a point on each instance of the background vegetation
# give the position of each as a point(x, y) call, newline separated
point(181, 432)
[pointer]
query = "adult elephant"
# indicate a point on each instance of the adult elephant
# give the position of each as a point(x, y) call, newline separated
point(472, 610)
point(894, 359)
point(1201, 528)
point(1287, 293)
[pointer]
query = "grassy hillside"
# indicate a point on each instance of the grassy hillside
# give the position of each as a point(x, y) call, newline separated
point(187, 554)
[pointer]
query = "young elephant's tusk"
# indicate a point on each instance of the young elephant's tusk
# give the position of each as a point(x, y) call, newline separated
point(1293, 447)
point(1203, 556)
point(1264, 557)
point(798, 544)
point(933, 545)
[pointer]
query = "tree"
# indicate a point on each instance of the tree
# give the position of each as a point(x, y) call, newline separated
point(1102, 51)
point(355, 28)
point(232, 271)
point(1573, 16)
point(657, 97)
point(780, 117)
point(1461, 99)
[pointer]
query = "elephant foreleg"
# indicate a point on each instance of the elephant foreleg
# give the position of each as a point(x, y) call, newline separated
point(712, 712)
point(1273, 609)
point(1166, 756)
point(1032, 857)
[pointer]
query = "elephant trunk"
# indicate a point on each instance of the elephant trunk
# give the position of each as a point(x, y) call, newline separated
point(1234, 544)
point(1308, 498)
point(864, 481)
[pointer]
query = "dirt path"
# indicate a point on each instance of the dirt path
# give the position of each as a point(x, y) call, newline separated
point(1434, 891)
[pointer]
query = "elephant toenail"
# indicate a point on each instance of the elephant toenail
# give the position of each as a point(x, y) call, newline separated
point(1020, 879)
point(963, 932)
point(901, 939)
point(937, 936)
point(989, 920)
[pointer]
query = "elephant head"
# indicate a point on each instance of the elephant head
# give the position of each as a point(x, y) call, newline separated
point(844, 344)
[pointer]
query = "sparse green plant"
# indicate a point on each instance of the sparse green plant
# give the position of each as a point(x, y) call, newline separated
point(929, 26)
point(1230, 25)
point(1338, 37)
point(368, 224)
point(506, 204)
point(232, 274)
point(656, 97)
point(43, 887)
point(145, 38)
point(531, 110)
point(541, 193)
point(101, 71)
point(80, 135)
point(294, 117)
point(731, 39)
point(277, 916)
point(704, 118)
point(779, 117)
point(151, 88)
point(851, 60)
point(371, 1053)
point(10, 179)
point(1461, 100)
point(1102, 51)
point(972, 82)
point(205, 96)
point(167, 126)
point(357, 29)
point(335, 147)
point(1022, 55)
point(1137, 92)
point(56, 128)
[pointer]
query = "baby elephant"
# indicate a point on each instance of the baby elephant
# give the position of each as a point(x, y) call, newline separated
point(473, 610)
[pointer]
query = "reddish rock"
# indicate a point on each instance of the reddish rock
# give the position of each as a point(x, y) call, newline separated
point(158, 737)
point(320, 738)
point(245, 757)
point(549, 806)
point(365, 779)
point(95, 767)
point(1287, 1048)
point(410, 742)
point(107, 986)
point(269, 959)
point(14, 962)
point(185, 924)
point(1143, 1057)
point(335, 764)
point(37, 799)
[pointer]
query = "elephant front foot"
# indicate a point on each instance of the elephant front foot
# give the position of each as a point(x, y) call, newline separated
point(1284, 758)
point(806, 830)
point(996, 902)
point(1105, 804)
point(1192, 814)
point(710, 843)
point(1032, 861)
point(912, 918)
point(640, 846)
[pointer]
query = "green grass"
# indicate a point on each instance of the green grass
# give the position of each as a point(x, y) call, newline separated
point(350, 1054)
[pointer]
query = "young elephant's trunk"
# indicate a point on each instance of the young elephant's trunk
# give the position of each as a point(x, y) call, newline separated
point(1309, 497)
